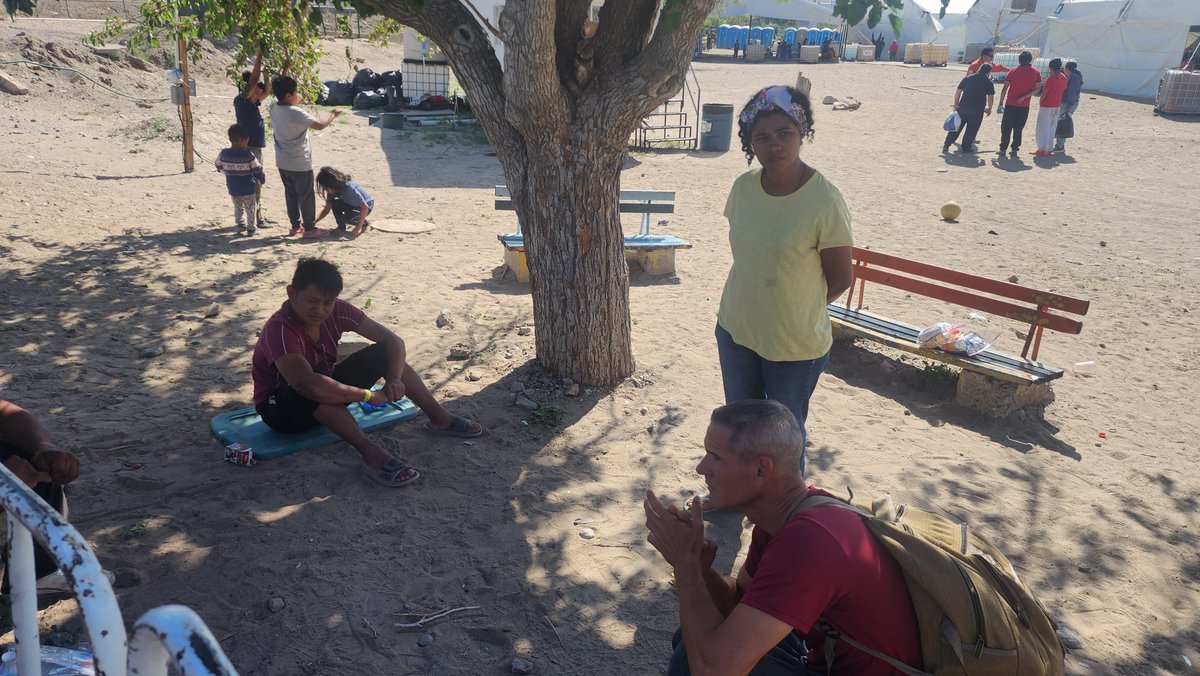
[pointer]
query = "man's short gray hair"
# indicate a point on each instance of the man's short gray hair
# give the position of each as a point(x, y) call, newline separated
point(762, 427)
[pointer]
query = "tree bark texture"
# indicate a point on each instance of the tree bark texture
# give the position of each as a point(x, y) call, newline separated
point(559, 115)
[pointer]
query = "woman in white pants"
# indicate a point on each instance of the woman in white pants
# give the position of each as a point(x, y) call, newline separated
point(1049, 107)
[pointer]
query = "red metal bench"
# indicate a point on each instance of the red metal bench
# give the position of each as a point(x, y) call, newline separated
point(1039, 309)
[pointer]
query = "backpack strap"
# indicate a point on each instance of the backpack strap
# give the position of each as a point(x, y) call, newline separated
point(832, 636)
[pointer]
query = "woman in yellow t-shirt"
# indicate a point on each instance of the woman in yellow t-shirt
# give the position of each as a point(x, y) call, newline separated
point(789, 232)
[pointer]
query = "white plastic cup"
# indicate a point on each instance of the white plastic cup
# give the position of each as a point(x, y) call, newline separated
point(1084, 368)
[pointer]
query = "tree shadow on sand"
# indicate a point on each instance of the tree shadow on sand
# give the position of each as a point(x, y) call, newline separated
point(493, 522)
point(348, 558)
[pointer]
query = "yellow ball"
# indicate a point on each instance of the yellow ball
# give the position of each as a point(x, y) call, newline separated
point(951, 211)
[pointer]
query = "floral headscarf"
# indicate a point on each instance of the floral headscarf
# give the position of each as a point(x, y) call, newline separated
point(771, 99)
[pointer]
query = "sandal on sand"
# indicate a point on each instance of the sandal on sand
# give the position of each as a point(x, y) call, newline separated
point(459, 427)
point(389, 474)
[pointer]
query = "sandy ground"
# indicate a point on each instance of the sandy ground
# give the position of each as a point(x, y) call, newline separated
point(109, 248)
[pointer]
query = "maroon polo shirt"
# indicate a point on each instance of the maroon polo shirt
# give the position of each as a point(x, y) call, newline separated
point(284, 334)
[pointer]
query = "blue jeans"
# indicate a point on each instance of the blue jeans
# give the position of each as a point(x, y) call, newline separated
point(346, 215)
point(785, 659)
point(748, 376)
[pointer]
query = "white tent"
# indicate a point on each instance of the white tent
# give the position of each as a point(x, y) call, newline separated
point(991, 22)
point(1122, 46)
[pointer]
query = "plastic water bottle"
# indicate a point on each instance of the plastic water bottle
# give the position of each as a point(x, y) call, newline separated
point(55, 662)
point(1000, 115)
point(1084, 368)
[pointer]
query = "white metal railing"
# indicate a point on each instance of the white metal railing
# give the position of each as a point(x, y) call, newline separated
point(168, 634)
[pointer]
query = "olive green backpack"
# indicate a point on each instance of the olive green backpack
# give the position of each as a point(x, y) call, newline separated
point(974, 616)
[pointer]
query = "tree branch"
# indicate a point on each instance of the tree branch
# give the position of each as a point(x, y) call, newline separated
point(659, 69)
point(482, 19)
point(535, 99)
point(625, 27)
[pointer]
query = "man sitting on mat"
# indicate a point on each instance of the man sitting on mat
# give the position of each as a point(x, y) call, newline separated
point(297, 385)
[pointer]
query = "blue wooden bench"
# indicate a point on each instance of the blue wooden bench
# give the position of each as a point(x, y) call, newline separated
point(654, 253)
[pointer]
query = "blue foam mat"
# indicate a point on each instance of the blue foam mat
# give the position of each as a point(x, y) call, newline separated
point(246, 426)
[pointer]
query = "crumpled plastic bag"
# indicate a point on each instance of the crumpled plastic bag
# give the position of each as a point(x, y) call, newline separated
point(950, 338)
point(953, 122)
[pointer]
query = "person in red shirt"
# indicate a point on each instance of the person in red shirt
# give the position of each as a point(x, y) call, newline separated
point(985, 56)
point(1048, 108)
point(1015, 96)
point(298, 382)
point(821, 563)
point(895, 47)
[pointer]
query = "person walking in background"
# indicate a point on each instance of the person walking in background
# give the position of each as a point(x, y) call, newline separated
point(1070, 101)
point(972, 100)
point(892, 50)
point(986, 56)
point(789, 233)
point(735, 49)
point(243, 178)
point(1019, 86)
point(1048, 109)
point(293, 155)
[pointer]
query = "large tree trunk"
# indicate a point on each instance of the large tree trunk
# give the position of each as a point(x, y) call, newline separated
point(559, 115)
point(569, 215)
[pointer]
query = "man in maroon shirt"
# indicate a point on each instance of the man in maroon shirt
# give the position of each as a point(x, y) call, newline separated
point(1018, 90)
point(298, 383)
point(804, 565)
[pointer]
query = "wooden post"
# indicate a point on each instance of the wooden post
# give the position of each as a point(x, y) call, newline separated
point(185, 111)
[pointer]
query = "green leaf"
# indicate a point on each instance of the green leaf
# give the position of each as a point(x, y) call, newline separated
point(316, 19)
point(897, 23)
point(22, 6)
point(874, 16)
point(853, 11)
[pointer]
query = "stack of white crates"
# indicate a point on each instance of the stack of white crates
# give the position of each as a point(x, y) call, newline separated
point(1179, 93)
point(935, 55)
point(426, 69)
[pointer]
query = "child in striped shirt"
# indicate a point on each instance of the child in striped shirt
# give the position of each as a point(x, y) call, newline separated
point(243, 174)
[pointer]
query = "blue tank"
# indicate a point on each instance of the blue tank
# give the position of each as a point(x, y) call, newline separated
point(816, 36)
point(768, 36)
point(756, 34)
point(722, 35)
point(743, 36)
point(789, 36)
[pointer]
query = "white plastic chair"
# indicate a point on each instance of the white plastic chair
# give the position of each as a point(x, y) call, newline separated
point(167, 634)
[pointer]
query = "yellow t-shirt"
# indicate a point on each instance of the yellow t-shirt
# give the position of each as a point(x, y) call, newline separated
point(774, 298)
